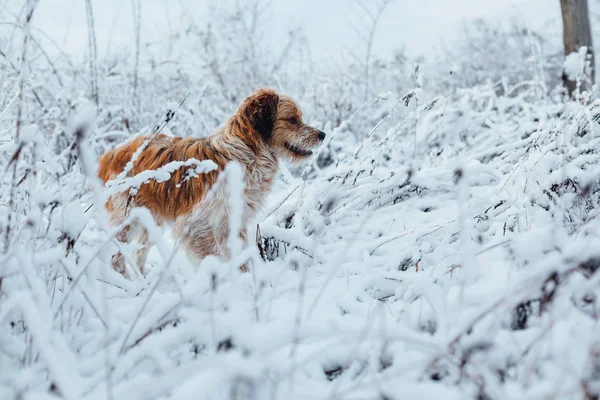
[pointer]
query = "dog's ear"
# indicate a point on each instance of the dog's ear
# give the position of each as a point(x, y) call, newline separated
point(261, 109)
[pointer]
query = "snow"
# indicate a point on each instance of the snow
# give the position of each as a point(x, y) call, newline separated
point(441, 243)
point(162, 174)
point(573, 66)
point(235, 207)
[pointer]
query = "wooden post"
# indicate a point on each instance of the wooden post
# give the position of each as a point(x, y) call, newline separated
point(576, 34)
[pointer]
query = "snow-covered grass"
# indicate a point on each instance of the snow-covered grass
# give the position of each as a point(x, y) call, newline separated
point(442, 244)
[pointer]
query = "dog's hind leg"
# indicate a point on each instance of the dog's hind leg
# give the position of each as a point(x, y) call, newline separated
point(116, 209)
point(141, 255)
point(137, 234)
point(133, 232)
point(118, 259)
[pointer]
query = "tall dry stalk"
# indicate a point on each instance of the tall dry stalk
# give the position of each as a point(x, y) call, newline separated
point(136, 9)
point(93, 52)
point(29, 9)
point(369, 25)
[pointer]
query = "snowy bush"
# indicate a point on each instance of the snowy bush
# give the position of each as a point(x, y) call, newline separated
point(443, 244)
point(502, 54)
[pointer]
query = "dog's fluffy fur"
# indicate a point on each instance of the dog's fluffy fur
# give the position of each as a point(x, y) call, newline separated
point(266, 127)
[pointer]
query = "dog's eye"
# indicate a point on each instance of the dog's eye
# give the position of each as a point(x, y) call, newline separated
point(293, 120)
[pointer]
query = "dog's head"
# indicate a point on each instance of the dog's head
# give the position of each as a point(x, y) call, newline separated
point(277, 121)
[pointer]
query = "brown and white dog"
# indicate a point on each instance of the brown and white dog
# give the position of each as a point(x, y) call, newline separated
point(266, 127)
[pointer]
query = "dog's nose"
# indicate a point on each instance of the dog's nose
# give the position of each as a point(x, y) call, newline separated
point(321, 135)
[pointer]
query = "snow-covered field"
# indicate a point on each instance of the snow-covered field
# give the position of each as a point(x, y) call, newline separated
point(442, 244)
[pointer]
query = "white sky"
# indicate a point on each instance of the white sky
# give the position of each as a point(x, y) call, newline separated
point(420, 25)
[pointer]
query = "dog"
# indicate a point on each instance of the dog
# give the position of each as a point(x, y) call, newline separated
point(267, 127)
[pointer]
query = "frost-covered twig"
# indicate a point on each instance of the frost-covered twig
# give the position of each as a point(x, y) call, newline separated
point(374, 18)
point(93, 52)
point(30, 6)
point(404, 100)
point(235, 196)
point(136, 9)
point(124, 344)
point(193, 168)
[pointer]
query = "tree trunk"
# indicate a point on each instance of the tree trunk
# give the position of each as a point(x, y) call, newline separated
point(576, 34)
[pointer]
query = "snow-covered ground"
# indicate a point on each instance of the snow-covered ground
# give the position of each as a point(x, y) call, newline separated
point(442, 244)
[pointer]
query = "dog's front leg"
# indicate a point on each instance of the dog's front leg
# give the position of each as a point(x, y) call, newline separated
point(196, 235)
point(244, 238)
point(206, 232)
point(222, 238)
